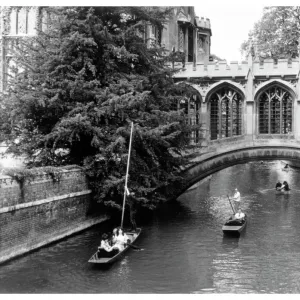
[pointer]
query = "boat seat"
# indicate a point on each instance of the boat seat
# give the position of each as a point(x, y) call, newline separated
point(235, 222)
point(103, 253)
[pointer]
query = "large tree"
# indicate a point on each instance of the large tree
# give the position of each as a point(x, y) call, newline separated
point(277, 34)
point(84, 81)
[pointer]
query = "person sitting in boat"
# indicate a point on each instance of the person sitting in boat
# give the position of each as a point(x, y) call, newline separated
point(285, 186)
point(114, 236)
point(121, 240)
point(286, 166)
point(239, 215)
point(105, 244)
point(278, 185)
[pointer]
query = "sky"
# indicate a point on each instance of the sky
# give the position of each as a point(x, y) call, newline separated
point(230, 25)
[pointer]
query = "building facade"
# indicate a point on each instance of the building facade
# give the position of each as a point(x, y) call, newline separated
point(233, 100)
point(251, 100)
point(183, 32)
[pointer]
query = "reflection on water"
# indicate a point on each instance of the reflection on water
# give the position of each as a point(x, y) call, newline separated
point(185, 249)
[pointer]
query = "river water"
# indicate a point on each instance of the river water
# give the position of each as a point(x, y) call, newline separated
point(184, 247)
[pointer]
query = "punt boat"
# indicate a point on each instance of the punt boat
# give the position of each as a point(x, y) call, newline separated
point(103, 257)
point(282, 192)
point(233, 226)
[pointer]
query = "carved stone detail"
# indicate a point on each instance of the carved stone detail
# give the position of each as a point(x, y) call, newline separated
point(293, 82)
point(257, 83)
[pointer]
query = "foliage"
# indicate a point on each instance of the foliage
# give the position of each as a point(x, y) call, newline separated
point(83, 82)
point(277, 34)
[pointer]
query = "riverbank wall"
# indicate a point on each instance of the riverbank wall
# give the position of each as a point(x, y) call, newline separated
point(43, 210)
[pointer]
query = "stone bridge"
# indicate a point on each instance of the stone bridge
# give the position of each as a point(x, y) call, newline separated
point(208, 160)
point(240, 112)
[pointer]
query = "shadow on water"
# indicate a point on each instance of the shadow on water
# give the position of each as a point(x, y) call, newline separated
point(231, 238)
point(173, 210)
point(230, 241)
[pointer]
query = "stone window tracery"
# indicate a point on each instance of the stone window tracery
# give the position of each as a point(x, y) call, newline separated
point(180, 38)
point(192, 109)
point(225, 113)
point(275, 111)
point(156, 34)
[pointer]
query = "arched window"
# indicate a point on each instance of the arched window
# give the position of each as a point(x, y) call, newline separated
point(191, 107)
point(275, 111)
point(225, 113)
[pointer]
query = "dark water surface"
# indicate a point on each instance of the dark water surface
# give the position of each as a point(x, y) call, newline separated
point(184, 247)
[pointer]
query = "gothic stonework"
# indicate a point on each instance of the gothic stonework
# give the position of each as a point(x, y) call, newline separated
point(257, 83)
point(293, 82)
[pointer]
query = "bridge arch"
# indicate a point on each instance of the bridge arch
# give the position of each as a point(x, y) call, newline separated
point(206, 166)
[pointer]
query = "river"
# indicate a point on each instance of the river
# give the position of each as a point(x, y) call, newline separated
point(184, 250)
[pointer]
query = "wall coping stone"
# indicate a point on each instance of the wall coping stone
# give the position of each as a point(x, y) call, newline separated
point(43, 201)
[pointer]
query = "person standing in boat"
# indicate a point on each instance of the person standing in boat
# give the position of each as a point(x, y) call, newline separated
point(237, 199)
point(278, 185)
point(132, 203)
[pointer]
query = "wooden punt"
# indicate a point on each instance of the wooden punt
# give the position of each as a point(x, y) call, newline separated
point(233, 226)
point(97, 258)
point(282, 192)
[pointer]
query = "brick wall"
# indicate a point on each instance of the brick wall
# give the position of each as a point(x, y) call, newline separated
point(43, 211)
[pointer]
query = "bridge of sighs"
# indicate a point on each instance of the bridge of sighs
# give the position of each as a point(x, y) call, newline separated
point(244, 111)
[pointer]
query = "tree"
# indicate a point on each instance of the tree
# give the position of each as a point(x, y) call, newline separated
point(83, 82)
point(277, 34)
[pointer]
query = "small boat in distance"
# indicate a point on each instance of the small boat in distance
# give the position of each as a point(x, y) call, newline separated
point(103, 258)
point(234, 226)
point(291, 163)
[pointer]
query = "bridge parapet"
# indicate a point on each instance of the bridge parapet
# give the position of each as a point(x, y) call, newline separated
point(270, 67)
point(264, 68)
point(213, 69)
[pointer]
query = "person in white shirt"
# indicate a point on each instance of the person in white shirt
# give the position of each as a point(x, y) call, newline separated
point(239, 215)
point(237, 199)
point(121, 240)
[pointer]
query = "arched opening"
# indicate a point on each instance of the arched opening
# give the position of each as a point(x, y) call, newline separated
point(225, 113)
point(189, 102)
point(191, 106)
point(275, 111)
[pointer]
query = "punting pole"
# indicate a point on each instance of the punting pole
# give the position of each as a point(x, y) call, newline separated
point(126, 178)
point(231, 204)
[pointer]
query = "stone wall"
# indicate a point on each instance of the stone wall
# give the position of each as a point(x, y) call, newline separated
point(43, 211)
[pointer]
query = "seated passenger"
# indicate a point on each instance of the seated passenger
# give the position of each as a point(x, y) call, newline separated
point(104, 243)
point(286, 166)
point(114, 236)
point(239, 215)
point(285, 186)
point(121, 240)
point(278, 186)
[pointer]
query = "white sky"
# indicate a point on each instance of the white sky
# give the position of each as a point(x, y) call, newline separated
point(230, 25)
